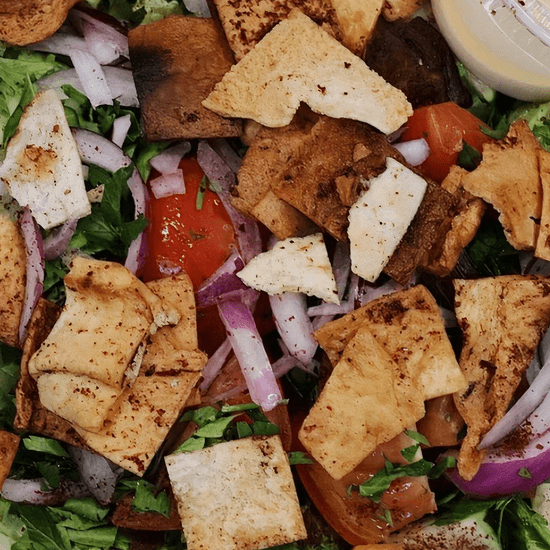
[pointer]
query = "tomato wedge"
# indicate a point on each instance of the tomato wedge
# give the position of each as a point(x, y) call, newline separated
point(445, 127)
point(181, 236)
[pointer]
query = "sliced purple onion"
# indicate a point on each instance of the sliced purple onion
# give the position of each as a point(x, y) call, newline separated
point(227, 153)
point(292, 321)
point(104, 41)
point(57, 241)
point(168, 184)
point(217, 171)
point(167, 161)
point(223, 281)
point(30, 491)
point(369, 292)
point(198, 7)
point(92, 77)
point(415, 151)
point(60, 43)
point(250, 352)
point(120, 82)
point(341, 266)
point(35, 269)
point(215, 364)
point(524, 406)
point(121, 125)
point(98, 474)
point(98, 150)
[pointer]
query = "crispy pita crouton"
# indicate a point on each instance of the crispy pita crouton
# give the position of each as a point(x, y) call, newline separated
point(408, 326)
point(424, 234)
point(542, 249)
point(324, 175)
point(503, 320)
point(245, 23)
point(176, 63)
point(368, 399)
point(464, 225)
point(297, 61)
point(298, 264)
point(13, 276)
point(28, 21)
point(508, 178)
point(237, 494)
point(266, 157)
point(9, 443)
point(400, 9)
point(357, 19)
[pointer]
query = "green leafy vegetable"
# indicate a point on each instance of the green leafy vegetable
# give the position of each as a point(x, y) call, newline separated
point(299, 457)
point(9, 375)
point(19, 70)
point(44, 445)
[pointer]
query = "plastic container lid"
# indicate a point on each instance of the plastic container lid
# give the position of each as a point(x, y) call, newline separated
point(505, 43)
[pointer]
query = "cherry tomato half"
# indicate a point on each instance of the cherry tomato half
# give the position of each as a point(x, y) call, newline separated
point(184, 237)
point(444, 126)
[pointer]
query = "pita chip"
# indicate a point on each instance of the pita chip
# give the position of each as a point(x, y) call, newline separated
point(542, 249)
point(368, 399)
point(13, 276)
point(298, 62)
point(409, 327)
point(9, 443)
point(503, 320)
point(400, 9)
point(508, 178)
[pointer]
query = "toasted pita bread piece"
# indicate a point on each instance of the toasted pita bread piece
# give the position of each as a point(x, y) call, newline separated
point(503, 320)
point(400, 9)
point(368, 399)
point(357, 19)
point(28, 21)
point(176, 63)
point(237, 495)
point(464, 225)
point(9, 443)
point(298, 62)
point(246, 23)
point(267, 155)
point(328, 167)
point(409, 327)
point(542, 249)
point(508, 178)
point(42, 168)
point(13, 276)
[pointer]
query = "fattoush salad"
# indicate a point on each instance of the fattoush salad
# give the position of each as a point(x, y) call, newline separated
point(273, 274)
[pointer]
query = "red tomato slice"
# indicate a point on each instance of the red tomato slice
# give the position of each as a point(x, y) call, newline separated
point(444, 126)
point(180, 236)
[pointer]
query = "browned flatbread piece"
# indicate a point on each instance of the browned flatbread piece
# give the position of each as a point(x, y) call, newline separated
point(424, 235)
point(465, 222)
point(509, 179)
point(408, 325)
point(13, 276)
point(503, 320)
point(176, 63)
point(245, 23)
point(368, 399)
point(9, 443)
point(542, 249)
point(24, 22)
point(265, 159)
point(325, 174)
point(400, 9)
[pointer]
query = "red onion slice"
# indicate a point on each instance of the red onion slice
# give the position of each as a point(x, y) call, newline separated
point(290, 315)
point(98, 474)
point(92, 77)
point(120, 82)
point(250, 352)
point(341, 266)
point(60, 43)
point(35, 269)
point(29, 491)
point(121, 125)
point(57, 241)
point(198, 7)
point(215, 364)
point(167, 161)
point(415, 151)
point(168, 184)
point(227, 153)
point(216, 170)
